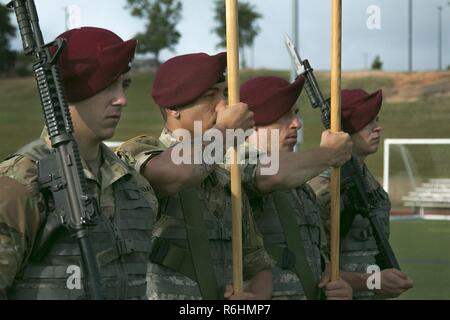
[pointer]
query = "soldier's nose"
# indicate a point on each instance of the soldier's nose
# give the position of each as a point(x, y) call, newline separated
point(296, 123)
point(120, 100)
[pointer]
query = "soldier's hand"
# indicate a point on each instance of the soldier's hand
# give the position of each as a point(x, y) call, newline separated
point(393, 283)
point(237, 116)
point(341, 145)
point(336, 290)
point(230, 295)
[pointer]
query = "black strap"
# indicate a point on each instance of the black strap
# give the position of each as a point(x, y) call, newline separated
point(295, 245)
point(199, 244)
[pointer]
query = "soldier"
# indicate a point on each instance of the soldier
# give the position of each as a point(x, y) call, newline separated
point(94, 66)
point(289, 219)
point(191, 88)
point(191, 256)
point(358, 247)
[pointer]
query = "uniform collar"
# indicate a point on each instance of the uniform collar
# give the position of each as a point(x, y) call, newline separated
point(167, 138)
point(111, 169)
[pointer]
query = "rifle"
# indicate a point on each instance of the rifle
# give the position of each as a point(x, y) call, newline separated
point(352, 177)
point(60, 173)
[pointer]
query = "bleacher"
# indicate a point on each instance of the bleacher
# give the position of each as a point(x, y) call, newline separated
point(435, 193)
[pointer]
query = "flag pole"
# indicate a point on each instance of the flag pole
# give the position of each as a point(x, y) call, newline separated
point(233, 98)
point(336, 33)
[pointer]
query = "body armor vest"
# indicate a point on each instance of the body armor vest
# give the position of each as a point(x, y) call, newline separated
point(359, 248)
point(121, 243)
point(286, 283)
point(172, 274)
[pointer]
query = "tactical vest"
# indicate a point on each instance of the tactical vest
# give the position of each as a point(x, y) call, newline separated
point(172, 274)
point(358, 247)
point(286, 283)
point(122, 246)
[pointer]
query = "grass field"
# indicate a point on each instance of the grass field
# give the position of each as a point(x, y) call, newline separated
point(21, 119)
point(422, 248)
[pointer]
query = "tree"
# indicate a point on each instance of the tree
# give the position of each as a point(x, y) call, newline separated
point(160, 30)
point(7, 33)
point(248, 28)
point(377, 64)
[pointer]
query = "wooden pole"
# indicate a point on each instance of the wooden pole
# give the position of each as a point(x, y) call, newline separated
point(336, 32)
point(233, 98)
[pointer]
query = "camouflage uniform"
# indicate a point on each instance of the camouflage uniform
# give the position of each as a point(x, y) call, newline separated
point(121, 237)
point(358, 247)
point(286, 283)
point(167, 282)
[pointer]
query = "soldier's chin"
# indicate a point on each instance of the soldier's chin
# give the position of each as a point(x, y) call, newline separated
point(374, 149)
point(107, 134)
point(289, 144)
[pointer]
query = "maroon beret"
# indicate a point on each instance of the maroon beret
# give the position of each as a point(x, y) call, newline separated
point(183, 79)
point(359, 108)
point(270, 97)
point(92, 59)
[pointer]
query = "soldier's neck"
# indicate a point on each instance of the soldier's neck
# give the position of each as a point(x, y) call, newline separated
point(89, 150)
point(359, 158)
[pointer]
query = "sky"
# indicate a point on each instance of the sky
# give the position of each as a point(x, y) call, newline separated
point(359, 43)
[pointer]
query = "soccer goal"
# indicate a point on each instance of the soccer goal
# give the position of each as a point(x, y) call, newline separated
point(416, 174)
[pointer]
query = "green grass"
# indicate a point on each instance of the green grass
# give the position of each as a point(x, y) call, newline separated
point(21, 119)
point(422, 250)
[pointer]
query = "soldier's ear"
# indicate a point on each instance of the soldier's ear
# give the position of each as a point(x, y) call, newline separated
point(174, 113)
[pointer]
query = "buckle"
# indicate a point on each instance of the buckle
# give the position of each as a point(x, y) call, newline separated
point(125, 246)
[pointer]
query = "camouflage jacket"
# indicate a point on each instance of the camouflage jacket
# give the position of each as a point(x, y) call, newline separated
point(286, 283)
point(167, 282)
point(23, 207)
point(358, 247)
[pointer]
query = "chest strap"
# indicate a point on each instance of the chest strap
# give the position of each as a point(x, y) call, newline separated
point(294, 254)
point(195, 262)
point(199, 244)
